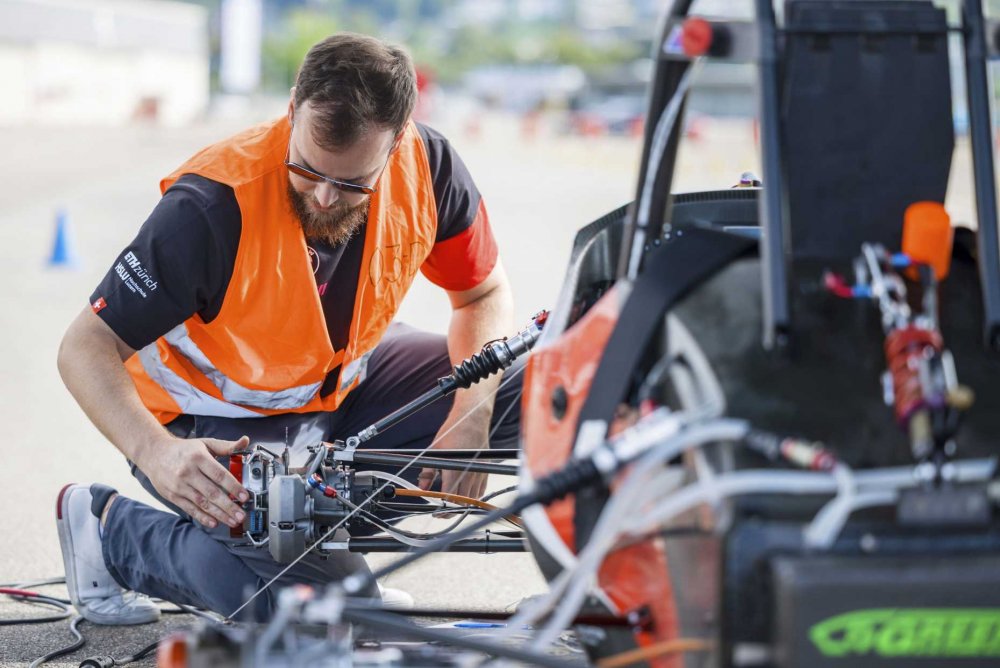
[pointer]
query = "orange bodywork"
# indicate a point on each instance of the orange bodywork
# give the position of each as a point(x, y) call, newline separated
point(634, 577)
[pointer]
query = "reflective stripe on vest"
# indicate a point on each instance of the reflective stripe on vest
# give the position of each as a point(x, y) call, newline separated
point(292, 397)
point(191, 400)
point(356, 369)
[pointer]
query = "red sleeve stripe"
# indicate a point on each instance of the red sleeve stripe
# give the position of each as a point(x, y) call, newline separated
point(466, 259)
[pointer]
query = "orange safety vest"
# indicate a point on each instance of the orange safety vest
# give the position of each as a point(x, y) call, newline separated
point(268, 350)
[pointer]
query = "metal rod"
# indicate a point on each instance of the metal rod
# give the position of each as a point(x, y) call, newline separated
point(386, 620)
point(488, 615)
point(981, 137)
point(457, 453)
point(418, 404)
point(478, 545)
point(365, 457)
point(666, 80)
point(773, 214)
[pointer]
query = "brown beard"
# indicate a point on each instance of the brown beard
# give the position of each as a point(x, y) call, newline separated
point(333, 227)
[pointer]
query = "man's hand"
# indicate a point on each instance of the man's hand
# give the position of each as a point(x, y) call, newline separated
point(186, 473)
point(469, 433)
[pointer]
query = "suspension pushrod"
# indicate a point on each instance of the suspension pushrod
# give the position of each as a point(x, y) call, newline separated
point(478, 545)
point(457, 453)
point(636, 619)
point(366, 457)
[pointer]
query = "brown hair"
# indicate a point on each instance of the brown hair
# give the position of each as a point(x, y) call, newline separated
point(356, 83)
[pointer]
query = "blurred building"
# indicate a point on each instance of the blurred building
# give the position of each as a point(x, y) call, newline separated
point(102, 61)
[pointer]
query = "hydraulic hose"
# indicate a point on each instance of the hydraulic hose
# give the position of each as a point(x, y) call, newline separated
point(454, 498)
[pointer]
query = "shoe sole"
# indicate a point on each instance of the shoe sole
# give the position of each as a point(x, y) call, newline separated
point(66, 543)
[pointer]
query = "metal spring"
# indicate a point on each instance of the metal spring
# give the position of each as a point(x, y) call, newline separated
point(904, 349)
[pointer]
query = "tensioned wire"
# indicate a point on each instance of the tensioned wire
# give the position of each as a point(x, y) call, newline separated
point(375, 494)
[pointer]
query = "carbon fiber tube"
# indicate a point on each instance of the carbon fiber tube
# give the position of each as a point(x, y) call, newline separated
point(364, 457)
point(477, 545)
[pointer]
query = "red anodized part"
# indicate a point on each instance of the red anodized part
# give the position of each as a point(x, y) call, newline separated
point(696, 36)
point(236, 470)
point(903, 350)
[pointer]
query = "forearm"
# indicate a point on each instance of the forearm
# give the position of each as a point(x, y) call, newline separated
point(91, 367)
point(488, 318)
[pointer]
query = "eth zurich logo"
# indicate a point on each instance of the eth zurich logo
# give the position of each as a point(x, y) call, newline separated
point(910, 632)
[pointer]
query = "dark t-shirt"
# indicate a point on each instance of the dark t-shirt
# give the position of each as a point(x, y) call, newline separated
point(182, 259)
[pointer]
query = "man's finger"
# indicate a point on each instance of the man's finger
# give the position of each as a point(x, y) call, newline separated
point(222, 478)
point(220, 507)
point(449, 482)
point(480, 486)
point(204, 505)
point(463, 483)
point(476, 482)
point(221, 448)
point(196, 513)
point(426, 478)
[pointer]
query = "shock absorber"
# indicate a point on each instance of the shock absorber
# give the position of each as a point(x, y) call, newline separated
point(908, 355)
point(494, 357)
point(921, 384)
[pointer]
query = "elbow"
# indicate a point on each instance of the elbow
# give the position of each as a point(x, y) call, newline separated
point(64, 356)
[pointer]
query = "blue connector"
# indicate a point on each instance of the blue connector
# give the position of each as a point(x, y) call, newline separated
point(479, 625)
point(861, 291)
point(900, 261)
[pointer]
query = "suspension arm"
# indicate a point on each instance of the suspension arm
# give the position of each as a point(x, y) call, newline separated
point(366, 457)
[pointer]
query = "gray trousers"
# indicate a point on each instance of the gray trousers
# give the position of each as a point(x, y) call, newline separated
point(169, 556)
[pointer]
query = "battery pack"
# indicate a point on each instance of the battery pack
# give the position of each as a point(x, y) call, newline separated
point(887, 611)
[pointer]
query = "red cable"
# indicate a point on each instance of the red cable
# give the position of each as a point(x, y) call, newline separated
point(837, 285)
point(18, 592)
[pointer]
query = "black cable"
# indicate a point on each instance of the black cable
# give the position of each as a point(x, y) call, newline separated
point(435, 511)
point(105, 661)
point(576, 474)
point(68, 649)
point(67, 611)
point(141, 654)
point(188, 610)
point(384, 620)
point(404, 507)
point(385, 526)
point(408, 509)
point(493, 495)
point(64, 601)
point(102, 661)
point(34, 583)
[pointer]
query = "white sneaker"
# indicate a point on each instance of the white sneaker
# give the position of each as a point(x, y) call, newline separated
point(94, 593)
point(397, 599)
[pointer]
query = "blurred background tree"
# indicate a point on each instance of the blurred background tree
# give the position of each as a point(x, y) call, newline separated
point(445, 36)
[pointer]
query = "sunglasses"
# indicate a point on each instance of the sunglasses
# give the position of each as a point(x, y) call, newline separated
point(342, 186)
